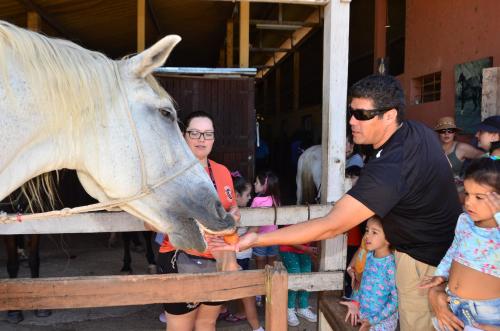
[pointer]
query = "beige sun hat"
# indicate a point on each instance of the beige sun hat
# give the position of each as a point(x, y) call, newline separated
point(446, 122)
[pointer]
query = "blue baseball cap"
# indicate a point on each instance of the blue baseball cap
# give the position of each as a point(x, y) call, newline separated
point(490, 124)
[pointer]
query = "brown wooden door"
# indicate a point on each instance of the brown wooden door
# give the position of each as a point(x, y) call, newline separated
point(231, 103)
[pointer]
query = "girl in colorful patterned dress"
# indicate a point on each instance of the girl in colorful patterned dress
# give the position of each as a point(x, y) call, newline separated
point(375, 305)
point(471, 267)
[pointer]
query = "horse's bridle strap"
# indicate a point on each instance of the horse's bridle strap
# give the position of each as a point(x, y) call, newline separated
point(146, 190)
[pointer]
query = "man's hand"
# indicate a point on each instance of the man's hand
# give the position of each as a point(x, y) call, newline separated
point(352, 311)
point(217, 243)
point(429, 282)
point(439, 303)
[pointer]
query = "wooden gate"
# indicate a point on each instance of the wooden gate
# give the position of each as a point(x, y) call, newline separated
point(230, 100)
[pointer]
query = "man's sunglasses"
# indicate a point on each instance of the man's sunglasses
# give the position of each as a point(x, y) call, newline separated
point(443, 131)
point(367, 114)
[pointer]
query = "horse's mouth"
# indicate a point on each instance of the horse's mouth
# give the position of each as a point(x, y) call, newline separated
point(204, 229)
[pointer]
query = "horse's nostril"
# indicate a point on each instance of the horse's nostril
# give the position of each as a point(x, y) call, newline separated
point(218, 204)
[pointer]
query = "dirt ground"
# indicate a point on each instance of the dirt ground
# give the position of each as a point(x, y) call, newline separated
point(89, 255)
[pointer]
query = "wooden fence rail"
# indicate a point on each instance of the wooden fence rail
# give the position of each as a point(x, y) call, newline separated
point(104, 291)
point(122, 222)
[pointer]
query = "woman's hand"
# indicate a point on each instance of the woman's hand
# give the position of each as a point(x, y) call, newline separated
point(439, 303)
point(352, 311)
point(217, 243)
point(429, 282)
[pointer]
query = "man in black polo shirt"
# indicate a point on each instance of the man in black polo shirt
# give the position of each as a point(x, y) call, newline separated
point(408, 182)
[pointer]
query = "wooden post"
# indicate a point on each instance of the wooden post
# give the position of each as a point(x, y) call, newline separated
point(491, 93)
point(229, 43)
point(141, 25)
point(244, 34)
point(335, 64)
point(296, 80)
point(380, 39)
point(33, 21)
point(276, 284)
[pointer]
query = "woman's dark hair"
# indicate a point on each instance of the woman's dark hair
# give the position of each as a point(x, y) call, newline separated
point(485, 171)
point(195, 114)
point(240, 184)
point(272, 184)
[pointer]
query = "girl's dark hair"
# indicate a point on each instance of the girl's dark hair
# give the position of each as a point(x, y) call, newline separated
point(494, 145)
point(271, 181)
point(195, 114)
point(240, 184)
point(485, 171)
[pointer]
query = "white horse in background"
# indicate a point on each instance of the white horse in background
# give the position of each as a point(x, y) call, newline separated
point(62, 106)
point(309, 167)
point(308, 177)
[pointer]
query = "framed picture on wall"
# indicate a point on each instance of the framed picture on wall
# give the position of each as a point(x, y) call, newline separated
point(468, 93)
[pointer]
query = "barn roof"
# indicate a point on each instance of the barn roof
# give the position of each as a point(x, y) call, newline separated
point(110, 26)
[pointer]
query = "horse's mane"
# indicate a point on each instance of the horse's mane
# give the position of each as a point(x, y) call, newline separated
point(68, 83)
point(65, 79)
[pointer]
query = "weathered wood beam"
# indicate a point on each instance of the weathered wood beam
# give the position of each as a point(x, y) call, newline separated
point(380, 33)
point(297, 36)
point(229, 43)
point(141, 25)
point(31, 6)
point(122, 222)
point(33, 21)
point(277, 297)
point(105, 291)
point(296, 24)
point(296, 2)
point(244, 34)
point(269, 50)
point(335, 65)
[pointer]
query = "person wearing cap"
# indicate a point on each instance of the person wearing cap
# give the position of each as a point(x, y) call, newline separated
point(456, 151)
point(488, 131)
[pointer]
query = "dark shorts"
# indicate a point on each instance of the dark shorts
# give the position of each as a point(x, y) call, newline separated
point(244, 263)
point(165, 266)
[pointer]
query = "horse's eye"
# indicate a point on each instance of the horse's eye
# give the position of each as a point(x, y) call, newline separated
point(168, 113)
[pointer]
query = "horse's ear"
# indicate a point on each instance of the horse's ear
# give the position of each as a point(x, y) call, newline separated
point(145, 62)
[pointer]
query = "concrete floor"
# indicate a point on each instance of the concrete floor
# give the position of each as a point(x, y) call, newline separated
point(89, 255)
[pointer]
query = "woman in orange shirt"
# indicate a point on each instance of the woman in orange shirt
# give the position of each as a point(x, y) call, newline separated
point(188, 316)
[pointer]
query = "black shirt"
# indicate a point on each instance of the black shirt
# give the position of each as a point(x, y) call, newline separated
point(409, 183)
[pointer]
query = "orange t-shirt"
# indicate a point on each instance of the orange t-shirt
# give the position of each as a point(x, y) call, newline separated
point(225, 190)
point(354, 236)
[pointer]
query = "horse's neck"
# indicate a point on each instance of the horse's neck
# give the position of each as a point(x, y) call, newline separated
point(29, 147)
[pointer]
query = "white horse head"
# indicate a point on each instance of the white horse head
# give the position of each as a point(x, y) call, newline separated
point(63, 106)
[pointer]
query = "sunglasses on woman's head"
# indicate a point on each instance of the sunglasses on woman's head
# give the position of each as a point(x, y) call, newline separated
point(367, 114)
point(443, 131)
